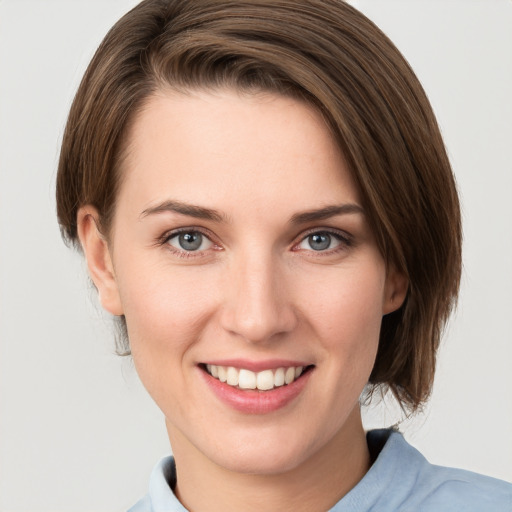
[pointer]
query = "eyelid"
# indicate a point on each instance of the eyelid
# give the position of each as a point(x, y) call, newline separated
point(203, 239)
point(164, 239)
point(345, 239)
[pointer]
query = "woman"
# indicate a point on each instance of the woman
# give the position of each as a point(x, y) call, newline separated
point(264, 201)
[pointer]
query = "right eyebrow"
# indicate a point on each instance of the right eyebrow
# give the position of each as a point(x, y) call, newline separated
point(326, 212)
point(191, 210)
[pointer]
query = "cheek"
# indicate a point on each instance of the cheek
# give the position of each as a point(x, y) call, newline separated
point(348, 304)
point(345, 314)
point(166, 313)
point(163, 306)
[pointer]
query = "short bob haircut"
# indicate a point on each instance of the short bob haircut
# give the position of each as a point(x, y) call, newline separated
point(323, 52)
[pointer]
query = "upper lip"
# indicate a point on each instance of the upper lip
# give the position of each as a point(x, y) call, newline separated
point(257, 366)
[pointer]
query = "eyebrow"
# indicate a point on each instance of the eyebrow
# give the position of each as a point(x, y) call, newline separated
point(199, 212)
point(326, 213)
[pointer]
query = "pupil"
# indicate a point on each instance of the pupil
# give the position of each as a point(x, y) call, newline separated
point(319, 241)
point(190, 241)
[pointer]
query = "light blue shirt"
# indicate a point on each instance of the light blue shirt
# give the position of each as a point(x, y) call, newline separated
point(400, 480)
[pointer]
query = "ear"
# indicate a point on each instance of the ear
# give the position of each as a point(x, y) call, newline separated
point(98, 257)
point(395, 290)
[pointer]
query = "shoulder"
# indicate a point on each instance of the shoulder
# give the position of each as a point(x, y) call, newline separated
point(463, 490)
point(420, 486)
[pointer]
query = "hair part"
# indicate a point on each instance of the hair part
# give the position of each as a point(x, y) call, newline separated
point(330, 55)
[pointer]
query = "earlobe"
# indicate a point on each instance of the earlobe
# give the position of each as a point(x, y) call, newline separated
point(99, 261)
point(395, 292)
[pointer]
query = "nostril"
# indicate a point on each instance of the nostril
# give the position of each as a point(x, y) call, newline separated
point(259, 326)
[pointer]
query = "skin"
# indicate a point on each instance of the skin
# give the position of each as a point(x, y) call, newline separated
point(255, 289)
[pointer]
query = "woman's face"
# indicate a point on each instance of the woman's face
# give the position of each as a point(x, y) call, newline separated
point(240, 249)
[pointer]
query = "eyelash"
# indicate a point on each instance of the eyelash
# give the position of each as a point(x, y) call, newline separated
point(344, 239)
point(164, 240)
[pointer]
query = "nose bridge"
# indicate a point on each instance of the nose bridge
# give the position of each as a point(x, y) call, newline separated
point(257, 307)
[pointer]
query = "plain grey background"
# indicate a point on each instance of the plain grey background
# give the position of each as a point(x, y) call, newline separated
point(77, 431)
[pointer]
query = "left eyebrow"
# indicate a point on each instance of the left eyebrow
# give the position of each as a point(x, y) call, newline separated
point(326, 213)
point(190, 210)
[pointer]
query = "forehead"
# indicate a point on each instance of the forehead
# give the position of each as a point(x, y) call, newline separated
point(212, 147)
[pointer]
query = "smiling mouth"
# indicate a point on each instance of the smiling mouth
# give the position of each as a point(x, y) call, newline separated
point(266, 380)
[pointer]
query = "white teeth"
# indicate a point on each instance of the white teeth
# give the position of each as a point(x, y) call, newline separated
point(289, 375)
point(279, 377)
point(265, 380)
point(232, 376)
point(221, 370)
point(247, 379)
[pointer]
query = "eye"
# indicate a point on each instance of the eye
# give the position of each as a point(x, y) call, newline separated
point(322, 241)
point(189, 241)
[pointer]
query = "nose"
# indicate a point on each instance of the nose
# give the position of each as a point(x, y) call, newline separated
point(257, 305)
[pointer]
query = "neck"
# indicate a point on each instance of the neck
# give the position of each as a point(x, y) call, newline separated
point(316, 484)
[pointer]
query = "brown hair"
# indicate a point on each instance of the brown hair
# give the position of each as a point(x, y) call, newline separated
point(332, 56)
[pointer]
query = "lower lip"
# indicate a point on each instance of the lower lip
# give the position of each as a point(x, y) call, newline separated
point(254, 401)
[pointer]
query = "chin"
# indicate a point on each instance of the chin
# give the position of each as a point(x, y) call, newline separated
point(268, 453)
point(259, 461)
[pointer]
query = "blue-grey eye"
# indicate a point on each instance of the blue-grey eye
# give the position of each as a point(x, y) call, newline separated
point(319, 241)
point(190, 241)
